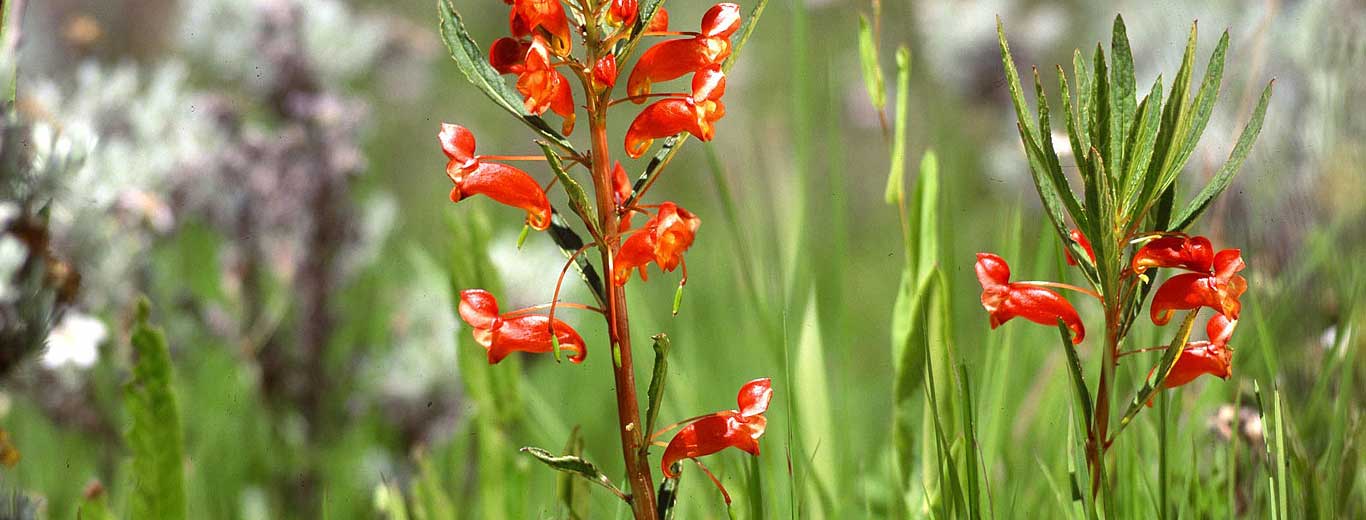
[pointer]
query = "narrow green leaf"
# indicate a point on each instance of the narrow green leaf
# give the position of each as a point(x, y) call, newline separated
point(1075, 139)
point(896, 177)
point(154, 434)
point(473, 63)
point(872, 71)
point(1141, 145)
point(1102, 133)
point(578, 198)
point(1224, 177)
point(1122, 105)
point(1153, 383)
point(1050, 155)
point(1013, 83)
point(573, 492)
point(658, 378)
point(1085, 98)
point(1203, 105)
point(576, 466)
point(1175, 121)
point(1079, 389)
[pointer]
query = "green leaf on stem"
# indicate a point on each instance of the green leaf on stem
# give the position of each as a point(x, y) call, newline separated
point(1153, 383)
point(1141, 146)
point(578, 198)
point(473, 63)
point(154, 436)
point(576, 466)
point(1079, 389)
point(573, 492)
point(1122, 104)
point(872, 71)
point(896, 177)
point(1224, 177)
point(658, 377)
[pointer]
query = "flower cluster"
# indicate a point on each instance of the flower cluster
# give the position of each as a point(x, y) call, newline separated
point(539, 53)
point(1211, 281)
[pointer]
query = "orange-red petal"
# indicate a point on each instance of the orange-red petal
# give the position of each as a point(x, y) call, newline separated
point(660, 22)
point(709, 83)
point(711, 434)
point(1085, 244)
point(605, 71)
point(509, 186)
point(721, 21)
point(532, 334)
point(1194, 290)
point(621, 184)
point(478, 308)
point(508, 55)
point(669, 117)
point(623, 12)
point(1185, 252)
point(636, 252)
point(527, 15)
point(674, 229)
point(754, 397)
point(672, 59)
point(1005, 301)
point(457, 142)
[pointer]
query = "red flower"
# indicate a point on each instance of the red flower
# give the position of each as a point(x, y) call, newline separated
point(508, 55)
point(660, 22)
point(670, 117)
point(621, 185)
point(673, 58)
point(1190, 253)
point(1211, 357)
point(543, 87)
point(503, 334)
point(605, 72)
point(662, 240)
point(1085, 244)
point(740, 428)
point(1217, 286)
point(548, 15)
point(1004, 300)
point(497, 181)
point(623, 12)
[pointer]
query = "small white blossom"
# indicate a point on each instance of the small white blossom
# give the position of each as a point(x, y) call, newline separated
point(74, 341)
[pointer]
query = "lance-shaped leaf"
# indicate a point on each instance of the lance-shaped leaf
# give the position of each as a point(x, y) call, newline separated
point(659, 376)
point(671, 145)
point(872, 71)
point(472, 62)
point(1154, 382)
point(1142, 140)
point(573, 492)
point(1224, 177)
point(578, 198)
point(154, 434)
point(1054, 173)
point(575, 466)
point(1122, 104)
point(896, 176)
point(1172, 131)
point(1079, 389)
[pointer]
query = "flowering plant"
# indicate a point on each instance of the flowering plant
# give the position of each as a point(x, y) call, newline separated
point(540, 52)
point(1127, 226)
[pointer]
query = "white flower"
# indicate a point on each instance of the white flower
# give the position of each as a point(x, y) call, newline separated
point(75, 341)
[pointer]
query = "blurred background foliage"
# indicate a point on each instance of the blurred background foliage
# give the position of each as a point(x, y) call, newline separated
point(267, 173)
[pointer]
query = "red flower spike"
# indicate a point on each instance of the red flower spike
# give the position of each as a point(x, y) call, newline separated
point(500, 182)
point(544, 88)
point(605, 72)
point(548, 15)
point(672, 59)
point(1190, 253)
point(712, 433)
point(508, 55)
point(1085, 244)
point(623, 12)
point(663, 240)
point(1218, 289)
point(1004, 300)
point(669, 117)
point(501, 336)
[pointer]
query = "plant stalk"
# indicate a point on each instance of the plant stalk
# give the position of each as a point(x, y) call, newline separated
point(618, 322)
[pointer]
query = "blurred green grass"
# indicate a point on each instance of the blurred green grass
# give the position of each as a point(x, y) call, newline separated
point(793, 277)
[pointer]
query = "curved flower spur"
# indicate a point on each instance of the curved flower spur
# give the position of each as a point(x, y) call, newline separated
point(541, 52)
